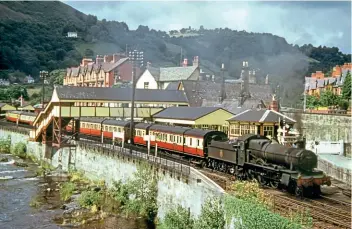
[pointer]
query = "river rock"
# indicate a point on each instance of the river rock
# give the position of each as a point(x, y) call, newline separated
point(20, 164)
point(6, 178)
point(4, 159)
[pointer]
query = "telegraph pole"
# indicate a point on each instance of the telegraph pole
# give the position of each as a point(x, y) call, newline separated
point(137, 59)
point(223, 93)
point(43, 75)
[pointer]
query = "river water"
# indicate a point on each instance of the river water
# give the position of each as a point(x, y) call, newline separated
point(19, 188)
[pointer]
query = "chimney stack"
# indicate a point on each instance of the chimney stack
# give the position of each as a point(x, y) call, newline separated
point(185, 63)
point(99, 59)
point(267, 79)
point(274, 104)
point(196, 61)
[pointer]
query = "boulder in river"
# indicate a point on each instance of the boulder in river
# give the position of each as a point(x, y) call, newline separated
point(20, 164)
point(4, 159)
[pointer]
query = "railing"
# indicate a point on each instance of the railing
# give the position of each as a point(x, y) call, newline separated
point(162, 161)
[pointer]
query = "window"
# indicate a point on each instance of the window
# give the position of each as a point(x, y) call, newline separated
point(236, 129)
point(96, 126)
point(205, 127)
point(190, 141)
point(115, 129)
point(253, 129)
point(106, 128)
point(269, 131)
point(83, 125)
point(110, 128)
point(146, 85)
point(245, 129)
point(197, 142)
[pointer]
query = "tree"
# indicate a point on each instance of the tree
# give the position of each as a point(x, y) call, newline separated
point(328, 98)
point(346, 88)
point(88, 53)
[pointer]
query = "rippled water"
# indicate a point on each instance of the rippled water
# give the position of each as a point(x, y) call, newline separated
point(17, 193)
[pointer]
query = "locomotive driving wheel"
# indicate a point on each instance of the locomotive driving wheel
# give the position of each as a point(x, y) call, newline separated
point(274, 184)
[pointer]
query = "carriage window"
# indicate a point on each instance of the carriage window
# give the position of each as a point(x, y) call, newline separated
point(110, 129)
point(184, 140)
point(115, 129)
point(83, 125)
point(106, 128)
point(96, 126)
point(190, 141)
point(197, 142)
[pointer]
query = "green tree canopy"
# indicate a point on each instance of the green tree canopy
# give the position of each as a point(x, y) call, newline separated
point(346, 88)
point(328, 98)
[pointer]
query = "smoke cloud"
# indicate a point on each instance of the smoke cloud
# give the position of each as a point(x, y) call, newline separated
point(318, 23)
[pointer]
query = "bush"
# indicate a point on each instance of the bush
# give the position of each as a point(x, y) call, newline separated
point(177, 218)
point(66, 190)
point(120, 192)
point(5, 145)
point(212, 215)
point(20, 150)
point(89, 198)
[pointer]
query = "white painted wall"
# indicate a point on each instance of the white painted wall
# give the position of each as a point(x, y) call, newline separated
point(326, 147)
point(146, 77)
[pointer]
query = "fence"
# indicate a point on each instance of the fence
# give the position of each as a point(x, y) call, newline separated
point(163, 161)
point(338, 173)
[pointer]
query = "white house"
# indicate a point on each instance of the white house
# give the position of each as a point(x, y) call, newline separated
point(29, 79)
point(72, 34)
point(160, 78)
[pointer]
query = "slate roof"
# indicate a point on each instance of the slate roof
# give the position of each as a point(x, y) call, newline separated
point(185, 113)
point(2, 104)
point(119, 94)
point(169, 129)
point(173, 85)
point(262, 116)
point(204, 93)
point(176, 73)
point(155, 72)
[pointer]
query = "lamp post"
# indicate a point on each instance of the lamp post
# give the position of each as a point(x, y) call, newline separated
point(43, 75)
point(136, 59)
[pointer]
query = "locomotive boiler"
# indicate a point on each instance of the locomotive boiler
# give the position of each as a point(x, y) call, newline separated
point(257, 157)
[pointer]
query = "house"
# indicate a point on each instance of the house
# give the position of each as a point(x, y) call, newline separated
point(29, 79)
point(72, 34)
point(160, 78)
point(207, 118)
point(318, 82)
point(4, 107)
point(103, 72)
point(4, 82)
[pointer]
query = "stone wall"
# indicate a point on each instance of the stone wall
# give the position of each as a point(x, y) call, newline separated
point(324, 127)
point(190, 191)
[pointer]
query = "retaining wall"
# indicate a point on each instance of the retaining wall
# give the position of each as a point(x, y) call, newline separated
point(173, 187)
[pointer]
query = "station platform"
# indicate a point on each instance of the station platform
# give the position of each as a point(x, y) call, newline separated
point(336, 166)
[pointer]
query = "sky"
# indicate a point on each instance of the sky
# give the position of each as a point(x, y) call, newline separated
point(317, 23)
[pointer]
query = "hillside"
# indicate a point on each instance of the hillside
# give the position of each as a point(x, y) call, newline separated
point(32, 37)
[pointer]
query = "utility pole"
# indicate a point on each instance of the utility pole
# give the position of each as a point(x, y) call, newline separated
point(223, 93)
point(136, 58)
point(306, 85)
point(43, 75)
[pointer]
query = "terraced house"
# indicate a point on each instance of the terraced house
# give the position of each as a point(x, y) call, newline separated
point(319, 82)
point(103, 72)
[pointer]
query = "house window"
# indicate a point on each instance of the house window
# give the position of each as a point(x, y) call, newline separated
point(235, 129)
point(146, 85)
point(269, 131)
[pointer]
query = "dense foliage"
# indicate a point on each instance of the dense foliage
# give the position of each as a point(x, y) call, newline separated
point(5, 145)
point(346, 89)
point(13, 92)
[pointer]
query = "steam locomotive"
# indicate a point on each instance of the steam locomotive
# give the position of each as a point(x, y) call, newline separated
point(256, 157)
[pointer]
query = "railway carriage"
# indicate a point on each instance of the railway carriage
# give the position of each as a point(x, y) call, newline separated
point(21, 117)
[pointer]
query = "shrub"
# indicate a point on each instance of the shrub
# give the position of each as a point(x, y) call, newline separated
point(5, 145)
point(66, 190)
point(120, 192)
point(177, 218)
point(89, 198)
point(20, 150)
point(212, 215)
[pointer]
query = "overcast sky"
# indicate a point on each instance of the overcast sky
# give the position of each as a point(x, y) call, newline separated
point(318, 23)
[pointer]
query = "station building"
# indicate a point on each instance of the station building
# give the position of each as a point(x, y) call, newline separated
point(206, 118)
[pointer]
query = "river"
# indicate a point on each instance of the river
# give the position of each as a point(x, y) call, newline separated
point(19, 188)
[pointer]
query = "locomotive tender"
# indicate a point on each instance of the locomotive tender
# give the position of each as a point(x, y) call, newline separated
point(249, 157)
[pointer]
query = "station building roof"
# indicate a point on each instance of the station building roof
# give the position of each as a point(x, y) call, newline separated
point(67, 93)
point(261, 116)
point(185, 113)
